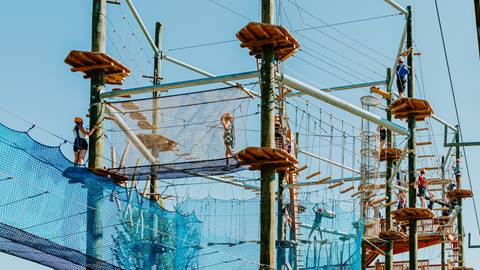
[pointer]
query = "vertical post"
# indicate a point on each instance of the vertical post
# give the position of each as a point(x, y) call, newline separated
point(459, 215)
point(280, 223)
point(412, 196)
point(267, 172)
point(388, 184)
point(95, 153)
point(443, 258)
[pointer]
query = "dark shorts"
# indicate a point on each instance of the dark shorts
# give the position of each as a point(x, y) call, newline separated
point(422, 191)
point(401, 84)
point(383, 136)
point(80, 144)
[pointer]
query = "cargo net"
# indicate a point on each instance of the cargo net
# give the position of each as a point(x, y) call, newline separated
point(230, 235)
point(182, 132)
point(45, 201)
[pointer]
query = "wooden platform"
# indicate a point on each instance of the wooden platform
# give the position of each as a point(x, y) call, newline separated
point(462, 268)
point(441, 220)
point(255, 35)
point(86, 62)
point(257, 156)
point(392, 235)
point(157, 142)
point(118, 178)
point(402, 107)
point(412, 213)
point(390, 153)
point(460, 194)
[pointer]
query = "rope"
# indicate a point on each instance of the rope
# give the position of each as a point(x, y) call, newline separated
point(349, 22)
point(456, 109)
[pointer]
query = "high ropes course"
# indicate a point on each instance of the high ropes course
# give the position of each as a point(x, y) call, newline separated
point(311, 187)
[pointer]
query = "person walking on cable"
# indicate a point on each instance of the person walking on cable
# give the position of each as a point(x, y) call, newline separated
point(317, 222)
point(80, 144)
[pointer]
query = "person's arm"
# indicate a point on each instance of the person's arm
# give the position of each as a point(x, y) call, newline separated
point(87, 133)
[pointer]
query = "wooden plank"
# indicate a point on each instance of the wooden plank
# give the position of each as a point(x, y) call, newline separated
point(421, 129)
point(423, 143)
point(300, 169)
point(347, 189)
point(92, 67)
point(313, 175)
point(332, 186)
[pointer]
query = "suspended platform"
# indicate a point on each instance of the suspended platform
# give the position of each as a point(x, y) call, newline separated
point(157, 143)
point(460, 194)
point(392, 235)
point(256, 35)
point(412, 213)
point(255, 157)
point(390, 153)
point(462, 268)
point(402, 107)
point(86, 62)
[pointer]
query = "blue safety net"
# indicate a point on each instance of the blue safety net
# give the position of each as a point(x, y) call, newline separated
point(46, 210)
point(230, 235)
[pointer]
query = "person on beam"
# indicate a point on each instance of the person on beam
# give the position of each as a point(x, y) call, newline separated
point(383, 136)
point(402, 74)
point(317, 222)
point(80, 145)
point(422, 188)
point(228, 136)
point(457, 171)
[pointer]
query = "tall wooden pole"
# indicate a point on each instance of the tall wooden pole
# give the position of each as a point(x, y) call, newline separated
point(459, 215)
point(442, 255)
point(280, 223)
point(388, 184)
point(267, 172)
point(95, 154)
point(412, 196)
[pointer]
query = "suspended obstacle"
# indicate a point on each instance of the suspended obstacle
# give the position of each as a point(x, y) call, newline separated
point(402, 107)
point(86, 62)
point(390, 153)
point(157, 142)
point(460, 194)
point(412, 213)
point(256, 35)
point(255, 157)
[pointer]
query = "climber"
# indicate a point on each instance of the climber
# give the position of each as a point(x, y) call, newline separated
point(228, 136)
point(402, 74)
point(317, 222)
point(401, 199)
point(457, 171)
point(80, 145)
point(383, 136)
point(422, 188)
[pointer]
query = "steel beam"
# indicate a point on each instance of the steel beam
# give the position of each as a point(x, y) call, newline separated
point(339, 103)
point(397, 6)
point(182, 84)
point(343, 88)
point(328, 161)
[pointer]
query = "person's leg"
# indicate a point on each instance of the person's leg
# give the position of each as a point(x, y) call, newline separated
point(76, 155)
point(399, 86)
point(81, 156)
point(457, 179)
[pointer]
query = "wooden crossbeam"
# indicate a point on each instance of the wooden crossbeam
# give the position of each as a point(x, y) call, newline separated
point(300, 169)
point(426, 156)
point(431, 168)
point(347, 189)
point(313, 175)
point(92, 67)
point(421, 129)
point(391, 203)
point(423, 143)
point(380, 92)
point(336, 185)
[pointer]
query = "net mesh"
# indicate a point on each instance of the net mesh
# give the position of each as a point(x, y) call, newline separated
point(44, 208)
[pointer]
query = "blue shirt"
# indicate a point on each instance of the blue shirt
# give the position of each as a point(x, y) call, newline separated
point(402, 71)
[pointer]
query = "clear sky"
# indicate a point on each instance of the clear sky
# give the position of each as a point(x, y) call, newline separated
point(38, 86)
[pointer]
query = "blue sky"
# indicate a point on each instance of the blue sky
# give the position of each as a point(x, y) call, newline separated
point(38, 86)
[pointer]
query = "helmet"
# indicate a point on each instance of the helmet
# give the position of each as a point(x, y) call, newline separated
point(78, 120)
point(422, 171)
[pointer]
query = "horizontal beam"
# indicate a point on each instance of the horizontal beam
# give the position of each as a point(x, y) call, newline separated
point(339, 103)
point(328, 161)
point(343, 88)
point(441, 121)
point(182, 84)
point(325, 230)
point(397, 7)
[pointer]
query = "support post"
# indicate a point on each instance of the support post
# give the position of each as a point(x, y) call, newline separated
point(267, 172)
point(459, 215)
point(280, 223)
point(442, 255)
point(388, 184)
point(95, 153)
point(412, 196)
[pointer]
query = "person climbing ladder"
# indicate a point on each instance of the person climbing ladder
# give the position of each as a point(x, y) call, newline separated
point(228, 136)
point(80, 145)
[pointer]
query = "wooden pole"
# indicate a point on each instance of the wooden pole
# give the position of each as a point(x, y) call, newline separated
point(280, 223)
point(459, 215)
point(443, 260)
point(267, 172)
point(388, 184)
point(95, 154)
point(412, 196)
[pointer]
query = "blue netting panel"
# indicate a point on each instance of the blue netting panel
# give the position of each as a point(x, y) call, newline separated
point(43, 210)
point(230, 235)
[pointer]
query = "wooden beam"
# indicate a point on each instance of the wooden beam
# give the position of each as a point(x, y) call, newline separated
point(92, 67)
point(313, 175)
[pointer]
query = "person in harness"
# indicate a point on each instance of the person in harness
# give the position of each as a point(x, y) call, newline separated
point(228, 136)
point(422, 188)
point(318, 221)
point(80, 145)
point(402, 74)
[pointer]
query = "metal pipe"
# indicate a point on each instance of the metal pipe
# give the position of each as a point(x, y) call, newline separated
point(181, 84)
point(328, 161)
point(328, 98)
point(441, 121)
point(343, 88)
point(397, 7)
point(168, 58)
